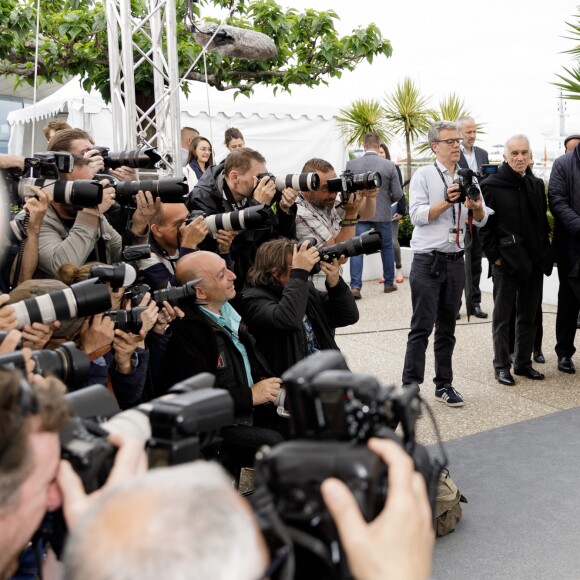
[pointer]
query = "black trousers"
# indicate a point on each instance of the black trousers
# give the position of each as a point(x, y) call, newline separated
point(567, 315)
point(476, 255)
point(539, 321)
point(241, 442)
point(526, 294)
point(435, 304)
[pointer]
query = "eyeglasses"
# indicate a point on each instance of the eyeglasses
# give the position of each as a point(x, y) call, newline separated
point(451, 142)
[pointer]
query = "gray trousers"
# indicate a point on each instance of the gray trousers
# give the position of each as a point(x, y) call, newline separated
point(526, 294)
point(435, 304)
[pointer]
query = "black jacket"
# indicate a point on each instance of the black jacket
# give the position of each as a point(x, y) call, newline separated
point(274, 317)
point(208, 196)
point(564, 197)
point(518, 231)
point(200, 345)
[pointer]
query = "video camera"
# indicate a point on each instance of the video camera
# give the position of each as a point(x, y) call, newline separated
point(468, 182)
point(349, 182)
point(333, 413)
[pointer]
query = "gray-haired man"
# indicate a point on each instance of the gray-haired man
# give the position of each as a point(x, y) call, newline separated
point(437, 273)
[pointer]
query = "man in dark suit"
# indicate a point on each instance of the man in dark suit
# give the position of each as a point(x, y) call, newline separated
point(390, 192)
point(473, 157)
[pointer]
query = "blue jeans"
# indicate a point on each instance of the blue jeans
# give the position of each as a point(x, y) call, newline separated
point(387, 256)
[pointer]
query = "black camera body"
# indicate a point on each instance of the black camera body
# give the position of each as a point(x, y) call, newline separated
point(349, 182)
point(127, 320)
point(468, 181)
point(333, 413)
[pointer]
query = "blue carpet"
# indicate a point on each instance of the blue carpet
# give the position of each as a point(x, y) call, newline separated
point(523, 516)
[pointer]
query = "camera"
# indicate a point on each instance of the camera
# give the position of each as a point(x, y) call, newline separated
point(142, 158)
point(251, 218)
point(349, 182)
point(127, 320)
point(366, 243)
point(70, 364)
point(333, 413)
point(169, 189)
point(467, 180)
point(172, 294)
point(118, 275)
point(81, 299)
point(49, 165)
point(297, 181)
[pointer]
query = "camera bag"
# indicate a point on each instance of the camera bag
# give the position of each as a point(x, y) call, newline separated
point(447, 505)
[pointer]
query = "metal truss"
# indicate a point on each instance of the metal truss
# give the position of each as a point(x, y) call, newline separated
point(159, 125)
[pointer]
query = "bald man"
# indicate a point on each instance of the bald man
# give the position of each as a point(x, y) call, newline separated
point(212, 338)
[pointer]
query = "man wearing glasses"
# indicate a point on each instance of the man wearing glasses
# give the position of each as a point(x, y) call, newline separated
point(437, 273)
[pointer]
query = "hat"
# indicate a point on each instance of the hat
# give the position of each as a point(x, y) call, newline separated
point(35, 288)
point(569, 137)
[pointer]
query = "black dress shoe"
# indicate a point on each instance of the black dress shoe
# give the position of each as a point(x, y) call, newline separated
point(478, 312)
point(504, 378)
point(566, 365)
point(530, 372)
point(539, 356)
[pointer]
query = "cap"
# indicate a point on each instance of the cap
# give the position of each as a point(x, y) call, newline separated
point(569, 137)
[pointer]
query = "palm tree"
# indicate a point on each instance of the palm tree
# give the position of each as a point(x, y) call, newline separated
point(360, 118)
point(571, 82)
point(407, 113)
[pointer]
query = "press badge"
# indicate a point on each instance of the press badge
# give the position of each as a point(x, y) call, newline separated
point(453, 238)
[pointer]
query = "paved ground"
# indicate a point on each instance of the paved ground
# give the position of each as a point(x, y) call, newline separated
point(376, 345)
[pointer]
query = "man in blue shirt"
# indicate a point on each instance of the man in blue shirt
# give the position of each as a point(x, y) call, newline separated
point(437, 274)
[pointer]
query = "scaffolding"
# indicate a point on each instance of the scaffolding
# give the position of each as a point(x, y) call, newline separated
point(159, 125)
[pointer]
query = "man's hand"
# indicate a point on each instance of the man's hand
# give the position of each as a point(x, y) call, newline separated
point(37, 335)
point(288, 199)
point(36, 207)
point(265, 190)
point(7, 314)
point(453, 193)
point(11, 341)
point(398, 543)
point(125, 344)
point(352, 207)
point(193, 233)
point(225, 240)
point(305, 258)
point(108, 199)
point(123, 173)
point(130, 461)
point(265, 391)
point(97, 333)
point(8, 161)
point(332, 272)
point(146, 208)
point(97, 161)
point(476, 206)
point(166, 315)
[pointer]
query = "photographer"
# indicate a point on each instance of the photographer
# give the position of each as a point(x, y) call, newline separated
point(212, 338)
point(289, 318)
point(234, 185)
point(170, 239)
point(437, 273)
point(195, 506)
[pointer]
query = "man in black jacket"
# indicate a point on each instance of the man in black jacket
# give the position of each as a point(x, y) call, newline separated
point(516, 243)
point(212, 338)
point(235, 185)
point(287, 315)
point(565, 206)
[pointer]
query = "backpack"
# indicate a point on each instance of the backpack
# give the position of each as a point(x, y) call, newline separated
point(447, 505)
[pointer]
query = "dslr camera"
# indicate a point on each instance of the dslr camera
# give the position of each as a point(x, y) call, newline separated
point(333, 413)
point(468, 181)
point(349, 182)
point(142, 158)
point(297, 181)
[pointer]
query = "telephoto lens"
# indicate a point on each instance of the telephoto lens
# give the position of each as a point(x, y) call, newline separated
point(80, 192)
point(170, 190)
point(298, 181)
point(251, 218)
point(119, 275)
point(82, 299)
point(367, 243)
point(142, 158)
point(70, 364)
point(174, 295)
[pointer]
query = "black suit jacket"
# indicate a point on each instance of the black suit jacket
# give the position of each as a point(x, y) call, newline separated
point(481, 157)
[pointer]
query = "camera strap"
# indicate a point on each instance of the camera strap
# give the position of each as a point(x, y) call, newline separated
point(456, 223)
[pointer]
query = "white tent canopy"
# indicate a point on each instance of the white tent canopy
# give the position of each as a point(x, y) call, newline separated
point(286, 133)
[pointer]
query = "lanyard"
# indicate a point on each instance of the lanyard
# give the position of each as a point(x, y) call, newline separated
point(455, 223)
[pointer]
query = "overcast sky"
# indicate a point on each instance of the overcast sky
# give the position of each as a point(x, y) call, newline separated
point(500, 56)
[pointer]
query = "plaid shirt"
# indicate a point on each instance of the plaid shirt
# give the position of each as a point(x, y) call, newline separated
point(318, 223)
